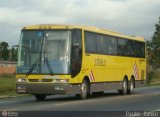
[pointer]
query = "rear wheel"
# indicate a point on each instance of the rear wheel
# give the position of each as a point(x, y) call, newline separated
point(40, 97)
point(84, 90)
point(131, 86)
point(124, 89)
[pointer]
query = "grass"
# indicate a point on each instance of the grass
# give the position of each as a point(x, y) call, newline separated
point(155, 78)
point(7, 84)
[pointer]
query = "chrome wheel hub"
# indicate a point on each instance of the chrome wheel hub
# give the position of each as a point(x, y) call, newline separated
point(84, 89)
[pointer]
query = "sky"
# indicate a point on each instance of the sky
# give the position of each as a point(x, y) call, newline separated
point(130, 17)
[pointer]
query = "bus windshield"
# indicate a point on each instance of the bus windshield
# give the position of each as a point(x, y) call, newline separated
point(44, 52)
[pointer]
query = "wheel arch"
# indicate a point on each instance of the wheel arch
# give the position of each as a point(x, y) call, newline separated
point(126, 77)
point(87, 79)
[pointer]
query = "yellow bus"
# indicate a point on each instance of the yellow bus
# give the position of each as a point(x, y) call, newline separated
point(80, 60)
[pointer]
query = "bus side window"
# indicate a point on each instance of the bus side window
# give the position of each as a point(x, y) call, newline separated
point(112, 45)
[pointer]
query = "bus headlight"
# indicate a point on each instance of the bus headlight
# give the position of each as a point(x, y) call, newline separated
point(21, 80)
point(62, 80)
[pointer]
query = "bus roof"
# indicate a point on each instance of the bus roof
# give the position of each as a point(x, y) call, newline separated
point(87, 28)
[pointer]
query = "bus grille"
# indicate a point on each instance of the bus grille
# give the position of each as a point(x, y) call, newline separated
point(37, 80)
point(33, 80)
point(47, 80)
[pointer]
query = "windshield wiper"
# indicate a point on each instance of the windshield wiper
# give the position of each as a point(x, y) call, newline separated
point(33, 66)
point(49, 67)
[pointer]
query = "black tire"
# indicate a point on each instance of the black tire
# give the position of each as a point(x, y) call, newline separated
point(131, 86)
point(124, 89)
point(40, 97)
point(84, 90)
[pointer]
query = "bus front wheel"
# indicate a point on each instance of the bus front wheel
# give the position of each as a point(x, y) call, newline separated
point(84, 90)
point(40, 97)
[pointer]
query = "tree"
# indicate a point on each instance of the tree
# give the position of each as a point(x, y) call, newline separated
point(14, 52)
point(156, 42)
point(4, 52)
point(154, 45)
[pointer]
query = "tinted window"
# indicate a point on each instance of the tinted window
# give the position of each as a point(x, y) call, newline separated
point(76, 52)
point(90, 42)
point(125, 47)
point(130, 48)
point(122, 47)
point(139, 49)
point(101, 44)
point(111, 45)
point(77, 40)
point(104, 44)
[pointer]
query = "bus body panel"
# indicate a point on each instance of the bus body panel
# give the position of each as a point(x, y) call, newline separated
point(105, 72)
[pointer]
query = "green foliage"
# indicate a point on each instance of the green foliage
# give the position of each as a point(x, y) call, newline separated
point(156, 78)
point(4, 51)
point(153, 54)
point(14, 53)
point(156, 42)
point(149, 77)
point(153, 46)
point(7, 84)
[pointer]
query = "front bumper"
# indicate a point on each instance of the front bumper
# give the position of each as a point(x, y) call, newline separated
point(47, 88)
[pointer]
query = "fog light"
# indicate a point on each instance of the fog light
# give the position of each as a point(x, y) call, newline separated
point(21, 80)
point(62, 80)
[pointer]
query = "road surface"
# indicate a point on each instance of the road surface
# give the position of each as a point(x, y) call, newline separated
point(146, 98)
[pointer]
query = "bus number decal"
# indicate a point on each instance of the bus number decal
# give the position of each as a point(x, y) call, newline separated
point(100, 62)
